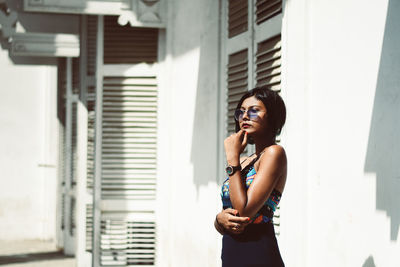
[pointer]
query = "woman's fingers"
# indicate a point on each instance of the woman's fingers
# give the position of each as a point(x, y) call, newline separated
point(237, 228)
point(232, 222)
point(244, 142)
point(234, 218)
point(239, 220)
point(231, 211)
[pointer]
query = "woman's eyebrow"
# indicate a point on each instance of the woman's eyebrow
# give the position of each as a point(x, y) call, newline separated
point(253, 106)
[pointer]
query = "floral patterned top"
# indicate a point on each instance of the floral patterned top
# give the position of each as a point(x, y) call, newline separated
point(266, 213)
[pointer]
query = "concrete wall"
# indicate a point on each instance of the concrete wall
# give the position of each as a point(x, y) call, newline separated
point(188, 191)
point(29, 150)
point(342, 88)
point(29, 132)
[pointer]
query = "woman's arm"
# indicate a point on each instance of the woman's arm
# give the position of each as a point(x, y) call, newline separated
point(271, 167)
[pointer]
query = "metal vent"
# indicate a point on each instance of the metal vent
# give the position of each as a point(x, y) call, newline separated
point(237, 84)
point(268, 63)
point(128, 45)
point(127, 243)
point(266, 9)
point(237, 17)
point(129, 138)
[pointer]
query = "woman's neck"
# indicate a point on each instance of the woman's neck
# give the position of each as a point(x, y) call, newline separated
point(262, 144)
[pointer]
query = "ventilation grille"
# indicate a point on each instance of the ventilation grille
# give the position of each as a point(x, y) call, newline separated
point(237, 17)
point(91, 45)
point(237, 84)
point(129, 138)
point(266, 9)
point(74, 140)
point(62, 88)
point(90, 97)
point(127, 243)
point(72, 217)
point(61, 79)
point(90, 150)
point(128, 45)
point(268, 63)
point(89, 227)
point(75, 76)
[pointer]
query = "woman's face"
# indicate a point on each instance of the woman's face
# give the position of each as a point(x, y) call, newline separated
point(255, 121)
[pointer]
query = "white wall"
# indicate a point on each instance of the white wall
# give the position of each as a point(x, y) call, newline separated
point(28, 155)
point(342, 203)
point(188, 137)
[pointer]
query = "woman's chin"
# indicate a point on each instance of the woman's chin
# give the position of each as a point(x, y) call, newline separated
point(248, 131)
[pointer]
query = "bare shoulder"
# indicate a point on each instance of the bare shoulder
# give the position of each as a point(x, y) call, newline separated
point(274, 153)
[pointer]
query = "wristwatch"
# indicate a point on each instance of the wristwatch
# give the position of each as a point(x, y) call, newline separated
point(230, 170)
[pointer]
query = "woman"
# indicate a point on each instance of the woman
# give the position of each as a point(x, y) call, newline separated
point(254, 185)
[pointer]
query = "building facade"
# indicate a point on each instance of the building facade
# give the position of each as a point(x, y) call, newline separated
point(115, 112)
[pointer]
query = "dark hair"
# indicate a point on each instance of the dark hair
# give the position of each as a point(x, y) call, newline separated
point(274, 104)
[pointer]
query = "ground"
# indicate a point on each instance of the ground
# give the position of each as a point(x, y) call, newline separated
point(33, 253)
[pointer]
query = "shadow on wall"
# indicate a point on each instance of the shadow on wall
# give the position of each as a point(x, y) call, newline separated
point(205, 128)
point(383, 152)
point(369, 262)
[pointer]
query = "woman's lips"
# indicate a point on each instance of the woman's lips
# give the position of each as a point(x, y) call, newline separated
point(245, 125)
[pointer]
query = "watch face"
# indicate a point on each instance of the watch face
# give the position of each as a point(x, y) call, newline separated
point(229, 170)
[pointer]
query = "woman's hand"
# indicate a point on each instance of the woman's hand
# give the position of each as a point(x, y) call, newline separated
point(234, 146)
point(232, 223)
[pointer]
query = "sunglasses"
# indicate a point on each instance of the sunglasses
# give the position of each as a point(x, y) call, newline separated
point(252, 113)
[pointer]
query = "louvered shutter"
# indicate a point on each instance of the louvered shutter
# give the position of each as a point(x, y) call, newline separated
point(129, 137)
point(237, 84)
point(61, 88)
point(266, 9)
point(126, 44)
point(91, 51)
point(91, 24)
point(129, 170)
point(237, 17)
point(268, 63)
point(68, 87)
point(123, 224)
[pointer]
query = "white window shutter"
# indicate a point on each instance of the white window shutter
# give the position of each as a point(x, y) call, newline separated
point(123, 217)
point(237, 17)
point(266, 9)
point(129, 179)
point(251, 34)
point(268, 63)
point(237, 84)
